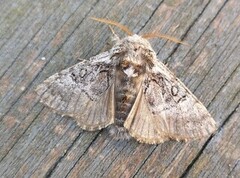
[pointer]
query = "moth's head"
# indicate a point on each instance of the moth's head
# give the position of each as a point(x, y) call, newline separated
point(134, 49)
point(133, 44)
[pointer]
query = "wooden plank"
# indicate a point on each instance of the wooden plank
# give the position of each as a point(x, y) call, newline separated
point(25, 30)
point(12, 16)
point(29, 70)
point(35, 142)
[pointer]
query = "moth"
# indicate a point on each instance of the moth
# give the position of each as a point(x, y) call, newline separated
point(129, 91)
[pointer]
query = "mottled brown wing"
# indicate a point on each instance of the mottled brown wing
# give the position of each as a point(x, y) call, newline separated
point(165, 109)
point(84, 91)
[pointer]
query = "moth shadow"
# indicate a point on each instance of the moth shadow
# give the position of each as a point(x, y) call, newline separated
point(106, 142)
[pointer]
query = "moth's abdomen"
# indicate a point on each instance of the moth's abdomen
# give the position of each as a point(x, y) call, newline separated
point(127, 89)
point(125, 97)
point(124, 101)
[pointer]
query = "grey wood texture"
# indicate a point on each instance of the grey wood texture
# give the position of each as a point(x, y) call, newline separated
point(40, 38)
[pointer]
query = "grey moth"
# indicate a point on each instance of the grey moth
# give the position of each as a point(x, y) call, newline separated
point(129, 91)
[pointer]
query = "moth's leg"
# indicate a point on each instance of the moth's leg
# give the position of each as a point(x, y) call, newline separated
point(114, 37)
point(111, 41)
point(81, 59)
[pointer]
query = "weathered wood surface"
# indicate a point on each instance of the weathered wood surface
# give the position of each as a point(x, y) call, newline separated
point(35, 142)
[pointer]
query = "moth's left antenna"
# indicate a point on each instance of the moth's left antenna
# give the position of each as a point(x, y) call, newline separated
point(111, 22)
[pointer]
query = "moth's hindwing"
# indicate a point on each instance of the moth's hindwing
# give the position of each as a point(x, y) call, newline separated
point(165, 109)
point(84, 91)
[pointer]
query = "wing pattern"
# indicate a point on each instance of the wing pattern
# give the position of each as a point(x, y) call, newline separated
point(84, 91)
point(165, 109)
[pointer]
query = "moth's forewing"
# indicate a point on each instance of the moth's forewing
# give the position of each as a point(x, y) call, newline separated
point(84, 91)
point(166, 109)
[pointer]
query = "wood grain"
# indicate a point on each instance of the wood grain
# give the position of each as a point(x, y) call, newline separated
point(35, 142)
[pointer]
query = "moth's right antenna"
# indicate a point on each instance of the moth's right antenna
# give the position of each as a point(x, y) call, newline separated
point(111, 22)
point(153, 35)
